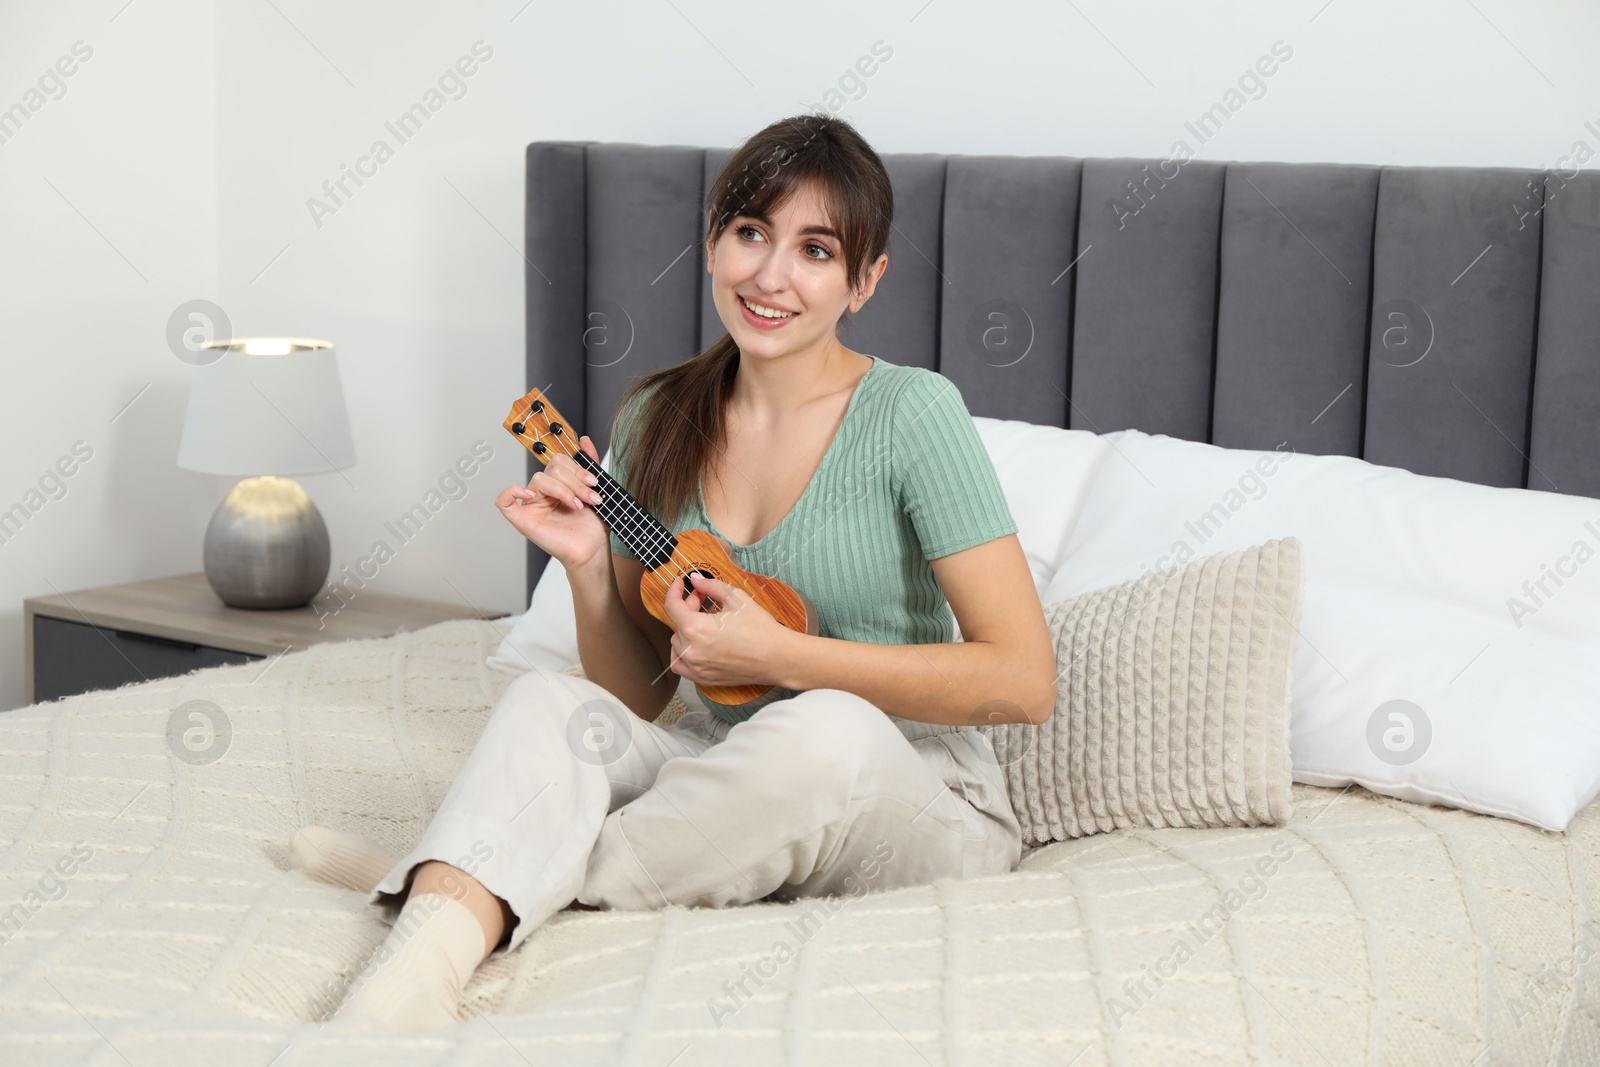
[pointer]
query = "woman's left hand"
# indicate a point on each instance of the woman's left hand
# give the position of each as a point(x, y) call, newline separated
point(736, 645)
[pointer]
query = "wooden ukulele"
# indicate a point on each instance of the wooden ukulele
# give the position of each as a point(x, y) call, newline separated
point(536, 423)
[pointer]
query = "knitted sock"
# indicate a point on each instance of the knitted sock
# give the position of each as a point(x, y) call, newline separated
point(339, 858)
point(414, 979)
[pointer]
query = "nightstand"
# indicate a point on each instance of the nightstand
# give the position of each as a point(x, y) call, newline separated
point(104, 638)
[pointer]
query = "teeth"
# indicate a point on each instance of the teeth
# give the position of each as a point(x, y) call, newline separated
point(766, 313)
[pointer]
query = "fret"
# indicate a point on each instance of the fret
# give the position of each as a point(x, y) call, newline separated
point(645, 535)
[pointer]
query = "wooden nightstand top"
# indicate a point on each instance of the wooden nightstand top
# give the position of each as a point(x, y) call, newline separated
point(183, 608)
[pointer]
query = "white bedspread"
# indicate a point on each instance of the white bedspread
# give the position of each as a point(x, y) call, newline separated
point(1386, 933)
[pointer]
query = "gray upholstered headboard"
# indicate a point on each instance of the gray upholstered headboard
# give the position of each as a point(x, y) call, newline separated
point(1445, 320)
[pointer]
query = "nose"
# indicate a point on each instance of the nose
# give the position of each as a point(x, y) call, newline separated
point(773, 275)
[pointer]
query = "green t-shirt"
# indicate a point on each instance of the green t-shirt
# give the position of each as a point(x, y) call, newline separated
point(905, 481)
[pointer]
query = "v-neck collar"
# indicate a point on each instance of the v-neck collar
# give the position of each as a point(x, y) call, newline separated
point(822, 466)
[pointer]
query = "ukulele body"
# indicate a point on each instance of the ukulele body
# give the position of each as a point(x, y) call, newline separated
point(701, 551)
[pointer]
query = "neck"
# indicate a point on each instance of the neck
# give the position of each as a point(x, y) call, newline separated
point(644, 535)
point(771, 386)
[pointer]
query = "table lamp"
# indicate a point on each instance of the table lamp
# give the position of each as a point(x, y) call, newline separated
point(267, 407)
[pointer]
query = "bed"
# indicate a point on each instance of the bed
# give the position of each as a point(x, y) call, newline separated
point(1227, 303)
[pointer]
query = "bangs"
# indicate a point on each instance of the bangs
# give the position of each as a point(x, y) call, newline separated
point(761, 186)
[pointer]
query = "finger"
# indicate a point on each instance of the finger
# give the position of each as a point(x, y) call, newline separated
point(571, 469)
point(556, 490)
point(587, 443)
point(582, 482)
point(676, 611)
point(514, 496)
point(715, 588)
point(678, 665)
point(683, 612)
point(720, 592)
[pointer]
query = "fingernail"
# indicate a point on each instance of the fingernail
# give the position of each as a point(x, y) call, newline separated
point(595, 497)
point(591, 479)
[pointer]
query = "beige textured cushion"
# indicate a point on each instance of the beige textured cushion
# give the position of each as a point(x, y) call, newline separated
point(1173, 708)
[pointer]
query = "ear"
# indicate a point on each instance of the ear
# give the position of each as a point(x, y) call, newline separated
point(871, 283)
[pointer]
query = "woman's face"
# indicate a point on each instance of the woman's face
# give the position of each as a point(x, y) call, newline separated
point(789, 265)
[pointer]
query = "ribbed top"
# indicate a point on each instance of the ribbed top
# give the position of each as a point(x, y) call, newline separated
point(905, 480)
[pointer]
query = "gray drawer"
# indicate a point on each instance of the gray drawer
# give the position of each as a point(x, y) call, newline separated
point(73, 657)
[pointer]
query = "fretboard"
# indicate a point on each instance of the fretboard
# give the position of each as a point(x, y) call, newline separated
point(639, 530)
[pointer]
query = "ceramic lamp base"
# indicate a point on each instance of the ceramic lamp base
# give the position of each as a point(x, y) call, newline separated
point(266, 546)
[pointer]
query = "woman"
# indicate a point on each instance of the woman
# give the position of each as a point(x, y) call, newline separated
point(861, 483)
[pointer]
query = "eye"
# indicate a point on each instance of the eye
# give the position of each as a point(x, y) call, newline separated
point(741, 229)
point(825, 253)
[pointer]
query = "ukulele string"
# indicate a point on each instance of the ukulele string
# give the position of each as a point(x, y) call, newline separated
point(683, 567)
point(652, 541)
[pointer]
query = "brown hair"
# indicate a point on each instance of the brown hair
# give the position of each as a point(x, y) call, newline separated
point(676, 430)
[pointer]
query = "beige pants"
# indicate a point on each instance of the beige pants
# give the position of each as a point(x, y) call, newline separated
point(568, 794)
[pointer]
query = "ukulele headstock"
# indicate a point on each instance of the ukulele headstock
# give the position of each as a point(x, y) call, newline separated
point(540, 428)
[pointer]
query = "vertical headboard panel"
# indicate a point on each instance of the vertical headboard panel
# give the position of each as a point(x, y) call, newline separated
point(1384, 312)
point(553, 277)
point(1145, 318)
point(901, 321)
point(711, 328)
point(1292, 317)
point(1565, 452)
point(1010, 235)
point(1454, 299)
point(643, 293)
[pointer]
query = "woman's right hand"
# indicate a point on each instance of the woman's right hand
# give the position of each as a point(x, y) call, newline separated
point(556, 511)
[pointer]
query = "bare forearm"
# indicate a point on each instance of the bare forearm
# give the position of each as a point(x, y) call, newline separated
point(614, 654)
point(967, 683)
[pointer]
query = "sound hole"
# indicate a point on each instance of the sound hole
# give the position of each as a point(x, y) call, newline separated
point(688, 590)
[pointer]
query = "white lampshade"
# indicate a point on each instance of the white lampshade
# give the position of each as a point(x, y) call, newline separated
point(268, 405)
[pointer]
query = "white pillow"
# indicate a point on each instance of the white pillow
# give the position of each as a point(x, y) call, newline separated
point(546, 635)
point(1414, 591)
point(1046, 473)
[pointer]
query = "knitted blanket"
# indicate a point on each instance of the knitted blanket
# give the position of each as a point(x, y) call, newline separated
point(152, 919)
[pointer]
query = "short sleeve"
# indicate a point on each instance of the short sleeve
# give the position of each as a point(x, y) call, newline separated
point(947, 483)
point(617, 467)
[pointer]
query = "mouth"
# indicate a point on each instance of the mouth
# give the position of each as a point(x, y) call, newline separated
point(764, 317)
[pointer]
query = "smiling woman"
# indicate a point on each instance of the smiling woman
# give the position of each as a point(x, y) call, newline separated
point(860, 482)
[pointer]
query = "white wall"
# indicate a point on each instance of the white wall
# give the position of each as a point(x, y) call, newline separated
point(108, 220)
point(196, 134)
